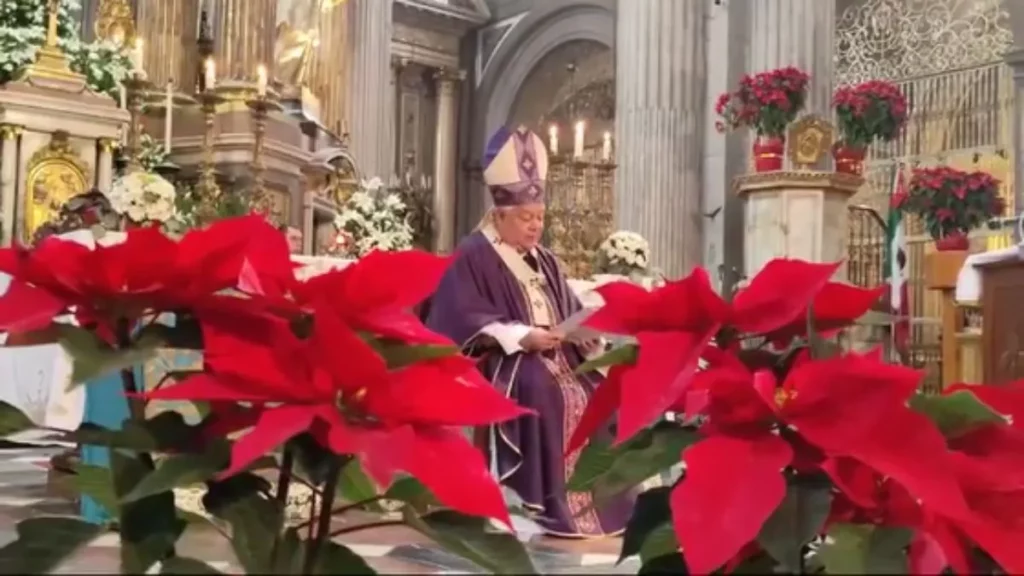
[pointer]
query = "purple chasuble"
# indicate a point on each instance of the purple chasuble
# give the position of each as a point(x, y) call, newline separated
point(479, 289)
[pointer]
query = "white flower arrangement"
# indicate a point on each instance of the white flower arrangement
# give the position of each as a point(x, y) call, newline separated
point(143, 197)
point(373, 218)
point(624, 253)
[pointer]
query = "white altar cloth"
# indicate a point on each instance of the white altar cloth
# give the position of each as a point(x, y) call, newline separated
point(968, 281)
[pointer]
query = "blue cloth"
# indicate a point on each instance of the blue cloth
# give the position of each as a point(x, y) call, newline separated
point(106, 406)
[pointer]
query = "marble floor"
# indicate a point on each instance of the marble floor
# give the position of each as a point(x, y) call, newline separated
point(392, 550)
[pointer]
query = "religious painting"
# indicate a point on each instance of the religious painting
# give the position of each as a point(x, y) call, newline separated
point(55, 175)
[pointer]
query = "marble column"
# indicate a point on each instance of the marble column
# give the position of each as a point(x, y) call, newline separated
point(446, 160)
point(1015, 59)
point(8, 180)
point(105, 164)
point(798, 33)
point(372, 103)
point(660, 113)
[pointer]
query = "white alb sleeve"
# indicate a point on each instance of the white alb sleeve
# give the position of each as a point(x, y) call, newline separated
point(508, 336)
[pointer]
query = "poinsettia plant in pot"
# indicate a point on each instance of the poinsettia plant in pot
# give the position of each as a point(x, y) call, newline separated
point(331, 383)
point(951, 202)
point(865, 113)
point(767, 102)
point(798, 457)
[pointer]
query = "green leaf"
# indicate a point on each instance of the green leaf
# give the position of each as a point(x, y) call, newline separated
point(354, 485)
point(608, 471)
point(163, 432)
point(150, 526)
point(177, 471)
point(313, 460)
point(650, 511)
point(185, 565)
point(43, 544)
point(336, 558)
point(221, 494)
point(473, 538)
point(798, 519)
point(865, 549)
point(622, 355)
point(92, 357)
point(255, 523)
point(412, 492)
point(661, 541)
point(957, 413)
point(13, 421)
point(398, 354)
point(97, 482)
point(668, 564)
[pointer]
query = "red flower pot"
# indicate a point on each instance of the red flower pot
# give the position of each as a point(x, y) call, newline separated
point(768, 151)
point(953, 242)
point(849, 159)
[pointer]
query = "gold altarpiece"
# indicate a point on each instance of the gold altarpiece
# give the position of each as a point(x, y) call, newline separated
point(56, 138)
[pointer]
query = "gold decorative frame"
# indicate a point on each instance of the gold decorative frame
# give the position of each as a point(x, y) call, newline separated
point(61, 173)
point(115, 23)
point(810, 139)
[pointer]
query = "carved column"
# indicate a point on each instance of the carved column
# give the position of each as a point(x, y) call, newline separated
point(660, 110)
point(797, 33)
point(243, 33)
point(105, 165)
point(1015, 59)
point(446, 159)
point(8, 180)
point(372, 104)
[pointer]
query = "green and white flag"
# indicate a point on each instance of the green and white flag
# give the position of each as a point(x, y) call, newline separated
point(896, 265)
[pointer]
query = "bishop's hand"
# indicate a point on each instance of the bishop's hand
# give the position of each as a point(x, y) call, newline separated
point(539, 339)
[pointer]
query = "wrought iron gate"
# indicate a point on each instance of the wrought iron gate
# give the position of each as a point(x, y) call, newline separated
point(946, 56)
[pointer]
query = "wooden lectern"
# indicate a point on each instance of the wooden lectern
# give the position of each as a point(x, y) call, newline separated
point(1002, 284)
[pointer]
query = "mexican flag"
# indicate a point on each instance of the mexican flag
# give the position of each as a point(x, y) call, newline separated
point(896, 266)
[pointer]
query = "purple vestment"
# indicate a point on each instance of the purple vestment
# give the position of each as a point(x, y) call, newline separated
point(479, 289)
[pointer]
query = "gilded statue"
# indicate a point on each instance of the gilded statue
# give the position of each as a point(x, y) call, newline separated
point(114, 22)
point(297, 38)
point(55, 175)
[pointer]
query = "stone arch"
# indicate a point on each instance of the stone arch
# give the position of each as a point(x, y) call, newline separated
point(546, 27)
point(543, 30)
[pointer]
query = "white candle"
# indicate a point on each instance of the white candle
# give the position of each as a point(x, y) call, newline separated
point(261, 81)
point(606, 147)
point(577, 149)
point(135, 56)
point(168, 115)
point(553, 139)
point(209, 74)
point(122, 94)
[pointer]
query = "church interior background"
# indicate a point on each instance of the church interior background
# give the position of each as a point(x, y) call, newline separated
point(623, 92)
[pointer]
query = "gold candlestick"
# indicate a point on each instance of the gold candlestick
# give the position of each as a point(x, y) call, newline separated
point(207, 188)
point(137, 90)
point(261, 106)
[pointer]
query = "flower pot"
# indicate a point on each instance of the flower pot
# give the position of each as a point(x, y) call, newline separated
point(953, 242)
point(768, 151)
point(849, 159)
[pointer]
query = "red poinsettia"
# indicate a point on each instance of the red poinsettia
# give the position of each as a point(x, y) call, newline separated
point(673, 325)
point(766, 102)
point(869, 111)
point(336, 386)
point(952, 202)
point(148, 272)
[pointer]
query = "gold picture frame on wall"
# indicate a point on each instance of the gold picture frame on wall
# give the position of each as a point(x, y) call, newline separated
point(55, 174)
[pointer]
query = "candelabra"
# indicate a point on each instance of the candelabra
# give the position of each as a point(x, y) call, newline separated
point(260, 106)
point(207, 188)
point(137, 91)
point(580, 198)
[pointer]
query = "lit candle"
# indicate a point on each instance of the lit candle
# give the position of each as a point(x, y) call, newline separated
point(135, 56)
point(577, 149)
point(606, 148)
point(168, 115)
point(209, 74)
point(553, 139)
point(122, 94)
point(261, 81)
